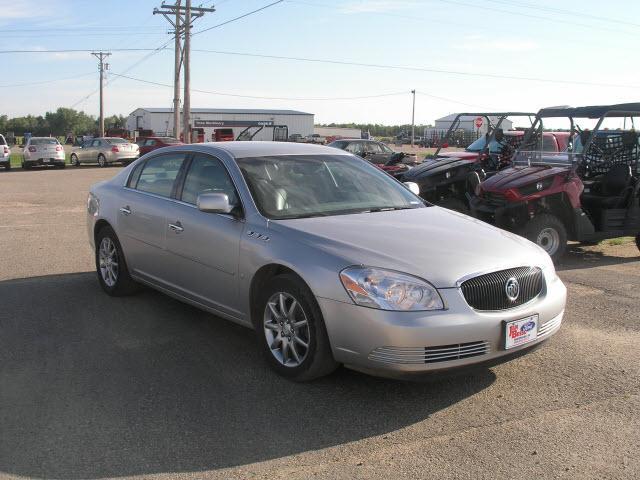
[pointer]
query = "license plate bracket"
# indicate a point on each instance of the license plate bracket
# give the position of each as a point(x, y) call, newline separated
point(520, 332)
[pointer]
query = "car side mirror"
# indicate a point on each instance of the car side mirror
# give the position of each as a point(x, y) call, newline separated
point(413, 187)
point(214, 203)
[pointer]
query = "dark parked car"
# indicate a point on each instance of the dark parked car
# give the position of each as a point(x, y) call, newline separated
point(394, 163)
point(147, 144)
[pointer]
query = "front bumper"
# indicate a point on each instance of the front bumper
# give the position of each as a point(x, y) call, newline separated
point(400, 343)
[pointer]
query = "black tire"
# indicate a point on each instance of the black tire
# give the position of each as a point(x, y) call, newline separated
point(549, 233)
point(25, 166)
point(74, 160)
point(455, 204)
point(638, 241)
point(318, 360)
point(62, 165)
point(102, 161)
point(7, 167)
point(124, 284)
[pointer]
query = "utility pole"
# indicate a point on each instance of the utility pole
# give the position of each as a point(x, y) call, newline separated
point(181, 19)
point(186, 126)
point(413, 118)
point(102, 67)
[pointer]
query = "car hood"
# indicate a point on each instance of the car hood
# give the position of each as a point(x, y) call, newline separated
point(515, 177)
point(436, 167)
point(462, 154)
point(433, 243)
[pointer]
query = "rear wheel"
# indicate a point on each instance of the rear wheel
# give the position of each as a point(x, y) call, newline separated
point(102, 161)
point(638, 241)
point(7, 166)
point(291, 330)
point(111, 266)
point(454, 204)
point(549, 233)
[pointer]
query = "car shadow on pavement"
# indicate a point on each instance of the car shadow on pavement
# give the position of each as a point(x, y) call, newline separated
point(93, 386)
point(578, 257)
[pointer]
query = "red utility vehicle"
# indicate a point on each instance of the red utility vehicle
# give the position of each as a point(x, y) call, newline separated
point(222, 135)
point(587, 194)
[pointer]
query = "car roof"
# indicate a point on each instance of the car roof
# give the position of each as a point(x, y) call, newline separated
point(595, 111)
point(266, 149)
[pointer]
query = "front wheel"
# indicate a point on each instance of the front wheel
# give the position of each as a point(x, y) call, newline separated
point(638, 241)
point(74, 160)
point(291, 330)
point(102, 162)
point(7, 166)
point(111, 266)
point(549, 233)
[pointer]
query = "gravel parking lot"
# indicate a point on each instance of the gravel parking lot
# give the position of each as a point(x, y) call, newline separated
point(93, 386)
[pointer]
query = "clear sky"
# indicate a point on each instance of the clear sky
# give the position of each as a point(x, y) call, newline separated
point(589, 48)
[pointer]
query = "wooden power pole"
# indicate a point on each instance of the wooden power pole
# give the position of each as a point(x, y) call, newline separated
point(102, 67)
point(413, 118)
point(181, 18)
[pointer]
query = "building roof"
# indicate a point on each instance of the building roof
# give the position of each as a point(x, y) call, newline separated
point(229, 111)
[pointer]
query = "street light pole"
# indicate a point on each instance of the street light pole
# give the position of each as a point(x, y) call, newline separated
point(413, 118)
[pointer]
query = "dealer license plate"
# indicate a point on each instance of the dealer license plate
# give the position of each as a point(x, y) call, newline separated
point(520, 332)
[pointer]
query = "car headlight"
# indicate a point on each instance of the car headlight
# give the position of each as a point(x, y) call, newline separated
point(93, 204)
point(389, 290)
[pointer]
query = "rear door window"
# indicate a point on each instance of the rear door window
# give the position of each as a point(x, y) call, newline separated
point(159, 174)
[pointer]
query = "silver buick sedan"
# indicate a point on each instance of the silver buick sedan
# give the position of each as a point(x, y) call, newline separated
point(329, 259)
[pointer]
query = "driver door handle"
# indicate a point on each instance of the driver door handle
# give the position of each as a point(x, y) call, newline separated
point(176, 227)
point(125, 210)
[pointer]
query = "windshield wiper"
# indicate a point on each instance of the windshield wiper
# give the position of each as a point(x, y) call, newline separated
point(386, 209)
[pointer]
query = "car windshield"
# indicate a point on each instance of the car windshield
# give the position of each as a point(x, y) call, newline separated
point(117, 140)
point(298, 186)
point(43, 141)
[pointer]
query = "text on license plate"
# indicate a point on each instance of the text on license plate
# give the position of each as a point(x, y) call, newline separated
point(519, 332)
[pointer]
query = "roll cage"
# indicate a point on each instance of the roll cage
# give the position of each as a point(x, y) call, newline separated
point(491, 130)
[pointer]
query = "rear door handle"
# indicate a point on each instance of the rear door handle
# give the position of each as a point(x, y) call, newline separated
point(176, 227)
point(125, 210)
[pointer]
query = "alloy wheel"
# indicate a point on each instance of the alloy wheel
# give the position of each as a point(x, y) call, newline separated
point(549, 240)
point(108, 261)
point(286, 329)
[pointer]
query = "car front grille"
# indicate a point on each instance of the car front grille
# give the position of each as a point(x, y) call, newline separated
point(489, 292)
point(549, 326)
point(435, 354)
point(494, 199)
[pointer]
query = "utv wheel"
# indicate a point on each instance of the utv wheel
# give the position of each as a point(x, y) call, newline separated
point(291, 331)
point(111, 266)
point(74, 160)
point(549, 233)
point(454, 204)
point(102, 162)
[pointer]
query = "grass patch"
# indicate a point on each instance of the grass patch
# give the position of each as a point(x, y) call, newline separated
point(618, 241)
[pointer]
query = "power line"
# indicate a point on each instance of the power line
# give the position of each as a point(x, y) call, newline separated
point(419, 69)
point(572, 13)
point(237, 18)
point(78, 50)
point(43, 82)
point(262, 97)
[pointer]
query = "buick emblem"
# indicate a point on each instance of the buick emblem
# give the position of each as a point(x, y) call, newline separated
point(512, 289)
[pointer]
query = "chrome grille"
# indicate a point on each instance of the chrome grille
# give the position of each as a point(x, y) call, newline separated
point(488, 292)
point(549, 326)
point(420, 355)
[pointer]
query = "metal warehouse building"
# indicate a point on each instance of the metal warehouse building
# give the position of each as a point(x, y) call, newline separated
point(276, 124)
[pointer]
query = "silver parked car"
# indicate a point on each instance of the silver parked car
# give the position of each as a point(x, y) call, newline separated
point(104, 151)
point(5, 154)
point(43, 151)
point(329, 259)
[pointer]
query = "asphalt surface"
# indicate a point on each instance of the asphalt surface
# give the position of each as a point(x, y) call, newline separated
point(93, 386)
